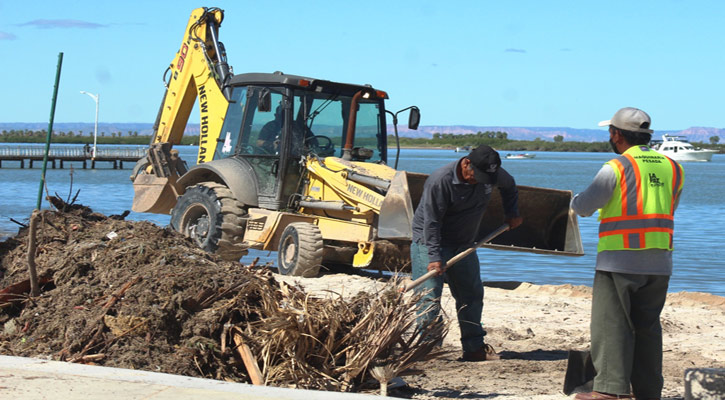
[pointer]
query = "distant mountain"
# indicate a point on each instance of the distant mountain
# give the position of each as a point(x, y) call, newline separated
point(694, 134)
point(700, 134)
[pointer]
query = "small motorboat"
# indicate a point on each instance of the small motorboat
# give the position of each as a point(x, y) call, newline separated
point(519, 156)
point(679, 149)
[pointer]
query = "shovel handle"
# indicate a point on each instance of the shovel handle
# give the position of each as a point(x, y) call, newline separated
point(413, 284)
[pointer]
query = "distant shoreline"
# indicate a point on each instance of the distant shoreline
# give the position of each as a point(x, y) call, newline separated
point(502, 145)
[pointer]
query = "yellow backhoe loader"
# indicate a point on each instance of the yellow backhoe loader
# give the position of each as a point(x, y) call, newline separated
point(300, 166)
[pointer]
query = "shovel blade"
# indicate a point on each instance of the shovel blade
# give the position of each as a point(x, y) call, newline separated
point(580, 373)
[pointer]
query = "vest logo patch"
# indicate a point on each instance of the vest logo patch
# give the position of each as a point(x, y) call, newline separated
point(654, 181)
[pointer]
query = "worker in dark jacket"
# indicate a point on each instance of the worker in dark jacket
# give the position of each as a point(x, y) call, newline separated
point(636, 195)
point(447, 222)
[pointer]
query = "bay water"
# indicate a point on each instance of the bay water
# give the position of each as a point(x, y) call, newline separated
point(699, 220)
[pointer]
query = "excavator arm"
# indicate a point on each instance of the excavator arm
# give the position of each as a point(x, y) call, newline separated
point(199, 71)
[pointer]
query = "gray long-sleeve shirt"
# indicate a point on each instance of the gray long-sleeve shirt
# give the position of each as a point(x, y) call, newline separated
point(450, 210)
point(645, 262)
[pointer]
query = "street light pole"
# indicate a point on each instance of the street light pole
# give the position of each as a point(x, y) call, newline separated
point(95, 128)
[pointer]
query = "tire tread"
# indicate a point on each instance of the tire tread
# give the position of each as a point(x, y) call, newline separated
point(230, 222)
point(309, 252)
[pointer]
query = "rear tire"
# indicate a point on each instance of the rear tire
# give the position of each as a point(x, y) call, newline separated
point(300, 250)
point(209, 214)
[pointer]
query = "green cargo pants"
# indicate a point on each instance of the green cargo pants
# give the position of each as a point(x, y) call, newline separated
point(626, 333)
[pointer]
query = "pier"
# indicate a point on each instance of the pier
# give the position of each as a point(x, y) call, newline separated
point(58, 156)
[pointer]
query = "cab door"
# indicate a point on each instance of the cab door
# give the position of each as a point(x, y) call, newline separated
point(261, 141)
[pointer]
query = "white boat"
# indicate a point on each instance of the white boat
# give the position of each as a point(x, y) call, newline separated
point(679, 149)
point(519, 156)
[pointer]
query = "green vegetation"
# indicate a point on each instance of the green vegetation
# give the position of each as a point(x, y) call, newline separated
point(28, 136)
point(719, 147)
point(498, 140)
point(501, 142)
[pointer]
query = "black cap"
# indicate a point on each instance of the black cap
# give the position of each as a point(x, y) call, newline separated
point(485, 162)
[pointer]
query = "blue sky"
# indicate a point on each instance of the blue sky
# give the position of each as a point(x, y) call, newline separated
point(487, 63)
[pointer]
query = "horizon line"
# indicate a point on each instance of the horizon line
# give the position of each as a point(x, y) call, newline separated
point(399, 127)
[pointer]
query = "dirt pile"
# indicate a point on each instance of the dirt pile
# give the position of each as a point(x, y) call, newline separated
point(133, 295)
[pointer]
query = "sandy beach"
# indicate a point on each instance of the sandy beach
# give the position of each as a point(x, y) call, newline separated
point(533, 327)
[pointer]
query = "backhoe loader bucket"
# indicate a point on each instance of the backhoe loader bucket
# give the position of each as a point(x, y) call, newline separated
point(154, 194)
point(549, 226)
point(154, 179)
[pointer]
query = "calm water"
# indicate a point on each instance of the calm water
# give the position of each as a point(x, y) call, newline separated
point(700, 222)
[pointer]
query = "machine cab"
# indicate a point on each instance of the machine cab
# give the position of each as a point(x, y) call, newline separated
point(274, 120)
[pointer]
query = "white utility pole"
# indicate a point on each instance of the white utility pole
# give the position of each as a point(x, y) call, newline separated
point(95, 128)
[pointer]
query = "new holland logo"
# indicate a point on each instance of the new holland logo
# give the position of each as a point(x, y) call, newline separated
point(365, 196)
point(654, 181)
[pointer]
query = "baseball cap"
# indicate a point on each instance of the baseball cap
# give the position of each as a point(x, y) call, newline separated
point(485, 162)
point(630, 119)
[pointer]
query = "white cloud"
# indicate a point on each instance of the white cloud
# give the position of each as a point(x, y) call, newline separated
point(62, 24)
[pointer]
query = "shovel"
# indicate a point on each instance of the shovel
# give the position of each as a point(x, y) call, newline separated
point(413, 284)
point(580, 373)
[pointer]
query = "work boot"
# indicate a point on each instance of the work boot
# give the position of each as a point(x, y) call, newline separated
point(484, 353)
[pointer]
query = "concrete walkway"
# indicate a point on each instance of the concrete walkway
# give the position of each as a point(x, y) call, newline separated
point(30, 378)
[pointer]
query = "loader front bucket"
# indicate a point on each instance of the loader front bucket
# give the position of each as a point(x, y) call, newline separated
point(153, 194)
point(549, 226)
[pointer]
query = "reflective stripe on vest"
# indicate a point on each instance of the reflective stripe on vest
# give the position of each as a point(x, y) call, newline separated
point(676, 183)
point(625, 224)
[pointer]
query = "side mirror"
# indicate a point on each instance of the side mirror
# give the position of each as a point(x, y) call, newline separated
point(264, 103)
point(414, 118)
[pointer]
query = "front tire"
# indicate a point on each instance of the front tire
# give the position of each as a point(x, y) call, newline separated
point(300, 250)
point(209, 214)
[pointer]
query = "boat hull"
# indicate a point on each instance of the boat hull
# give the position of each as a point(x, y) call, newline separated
point(680, 149)
point(519, 156)
point(686, 156)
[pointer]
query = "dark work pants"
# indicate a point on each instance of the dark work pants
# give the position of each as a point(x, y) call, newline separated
point(464, 281)
point(626, 333)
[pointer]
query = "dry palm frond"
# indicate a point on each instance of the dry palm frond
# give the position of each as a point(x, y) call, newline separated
point(383, 373)
point(329, 343)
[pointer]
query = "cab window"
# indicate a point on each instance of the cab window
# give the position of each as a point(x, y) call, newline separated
point(229, 137)
point(320, 125)
point(368, 130)
point(262, 129)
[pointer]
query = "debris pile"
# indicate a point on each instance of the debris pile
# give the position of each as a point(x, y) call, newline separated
point(134, 295)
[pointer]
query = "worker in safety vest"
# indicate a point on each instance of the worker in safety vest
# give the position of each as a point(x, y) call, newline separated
point(636, 195)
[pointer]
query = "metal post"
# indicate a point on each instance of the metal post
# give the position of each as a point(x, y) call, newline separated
point(95, 126)
point(50, 129)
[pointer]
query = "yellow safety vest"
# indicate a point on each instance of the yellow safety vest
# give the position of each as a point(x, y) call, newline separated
point(640, 213)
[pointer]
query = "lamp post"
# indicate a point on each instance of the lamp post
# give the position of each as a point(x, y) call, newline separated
point(95, 128)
